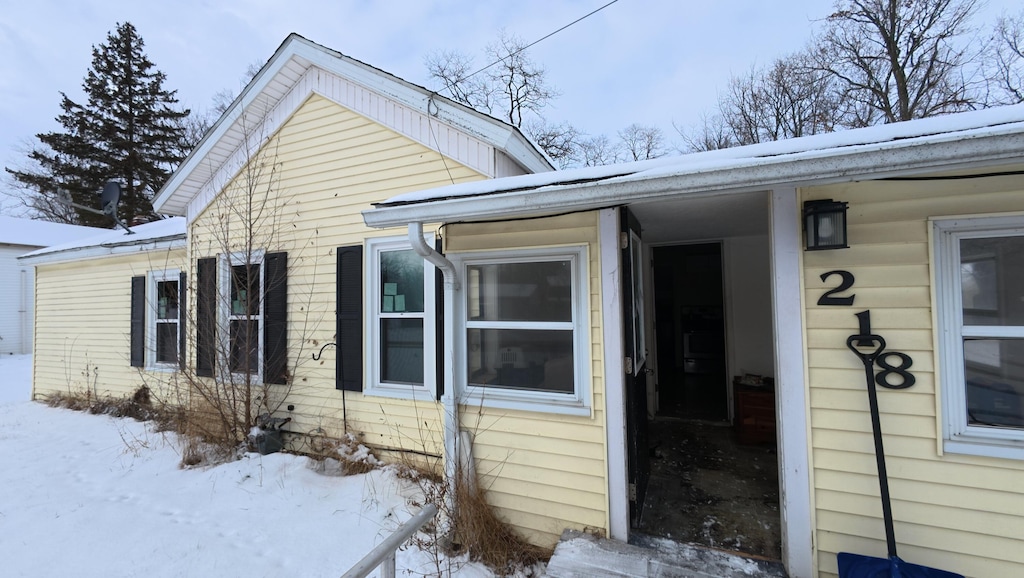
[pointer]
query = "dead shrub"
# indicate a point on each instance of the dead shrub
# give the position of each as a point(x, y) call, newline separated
point(138, 406)
point(488, 539)
point(347, 456)
point(470, 526)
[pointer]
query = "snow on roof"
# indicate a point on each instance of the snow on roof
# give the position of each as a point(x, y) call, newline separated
point(936, 129)
point(32, 233)
point(158, 233)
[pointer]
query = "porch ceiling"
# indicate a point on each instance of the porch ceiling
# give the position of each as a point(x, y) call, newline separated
point(682, 219)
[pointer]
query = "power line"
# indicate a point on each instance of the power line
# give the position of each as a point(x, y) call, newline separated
point(539, 40)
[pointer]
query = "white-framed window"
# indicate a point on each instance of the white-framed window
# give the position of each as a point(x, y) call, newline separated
point(401, 320)
point(979, 269)
point(163, 319)
point(523, 329)
point(242, 284)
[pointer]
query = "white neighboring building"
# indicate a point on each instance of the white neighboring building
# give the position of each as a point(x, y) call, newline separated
point(17, 237)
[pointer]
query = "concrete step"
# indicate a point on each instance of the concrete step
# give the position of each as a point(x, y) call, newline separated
point(580, 555)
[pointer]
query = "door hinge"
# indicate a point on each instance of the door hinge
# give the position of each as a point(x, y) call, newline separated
point(628, 363)
point(623, 240)
point(632, 492)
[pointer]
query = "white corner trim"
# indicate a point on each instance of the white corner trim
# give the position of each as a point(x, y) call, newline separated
point(614, 375)
point(798, 548)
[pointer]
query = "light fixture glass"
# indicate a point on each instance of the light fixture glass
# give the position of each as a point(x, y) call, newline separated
point(825, 225)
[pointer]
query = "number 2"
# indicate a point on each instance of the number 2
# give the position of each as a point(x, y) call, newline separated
point(846, 282)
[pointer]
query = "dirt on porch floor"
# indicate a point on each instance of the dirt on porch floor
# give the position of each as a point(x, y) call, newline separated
point(708, 490)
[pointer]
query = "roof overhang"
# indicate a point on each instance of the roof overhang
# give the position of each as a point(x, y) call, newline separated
point(279, 77)
point(738, 170)
point(106, 250)
point(166, 235)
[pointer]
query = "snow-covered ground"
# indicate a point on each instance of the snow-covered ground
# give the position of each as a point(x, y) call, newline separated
point(86, 495)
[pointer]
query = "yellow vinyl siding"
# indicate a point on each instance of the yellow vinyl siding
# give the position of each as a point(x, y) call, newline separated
point(330, 164)
point(961, 513)
point(545, 471)
point(83, 326)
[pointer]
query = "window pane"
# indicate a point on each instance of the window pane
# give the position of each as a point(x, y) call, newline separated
point(401, 274)
point(992, 281)
point(994, 375)
point(245, 289)
point(537, 360)
point(520, 291)
point(167, 342)
point(401, 351)
point(167, 300)
point(245, 346)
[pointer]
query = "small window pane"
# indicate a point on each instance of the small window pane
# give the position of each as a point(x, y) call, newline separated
point(536, 360)
point(167, 300)
point(167, 342)
point(521, 292)
point(992, 281)
point(245, 345)
point(401, 351)
point(994, 375)
point(245, 289)
point(401, 274)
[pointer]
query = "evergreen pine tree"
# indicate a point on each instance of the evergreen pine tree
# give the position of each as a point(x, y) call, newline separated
point(129, 130)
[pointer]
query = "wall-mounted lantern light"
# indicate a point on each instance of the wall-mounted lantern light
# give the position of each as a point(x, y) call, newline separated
point(825, 225)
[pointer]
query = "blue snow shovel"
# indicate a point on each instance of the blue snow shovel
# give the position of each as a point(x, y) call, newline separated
point(858, 565)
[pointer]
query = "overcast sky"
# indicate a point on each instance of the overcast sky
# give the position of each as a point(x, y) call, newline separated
point(652, 62)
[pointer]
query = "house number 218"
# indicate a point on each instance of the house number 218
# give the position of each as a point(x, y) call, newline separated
point(864, 337)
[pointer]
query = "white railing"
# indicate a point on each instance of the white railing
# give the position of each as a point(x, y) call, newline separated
point(383, 554)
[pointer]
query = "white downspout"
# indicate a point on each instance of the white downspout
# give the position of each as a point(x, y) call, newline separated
point(448, 399)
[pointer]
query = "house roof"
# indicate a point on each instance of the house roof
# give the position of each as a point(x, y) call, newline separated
point(985, 138)
point(32, 233)
point(163, 234)
point(247, 123)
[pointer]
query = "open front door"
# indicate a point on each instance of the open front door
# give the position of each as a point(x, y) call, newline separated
point(636, 364)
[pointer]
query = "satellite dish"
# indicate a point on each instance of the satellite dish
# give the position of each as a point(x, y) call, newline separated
point(110, 197)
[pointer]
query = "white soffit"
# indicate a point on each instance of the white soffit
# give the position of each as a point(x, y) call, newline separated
point(300, 68)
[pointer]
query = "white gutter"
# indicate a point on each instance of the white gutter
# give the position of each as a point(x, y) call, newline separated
point(170, 242)
point(449, 399)
point(844, 164)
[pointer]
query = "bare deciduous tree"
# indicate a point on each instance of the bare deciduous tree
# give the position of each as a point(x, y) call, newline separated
point(560, 141)
point(598, 151)
point(788, 99)
point(642, 142)
point(898, 60)
point(199, 123)
point(709, 134)
point(454, 70)
point(512, 85)
point(1007, 60)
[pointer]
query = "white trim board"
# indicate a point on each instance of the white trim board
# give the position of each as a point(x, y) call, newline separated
point(790, 385)
point(614, 375)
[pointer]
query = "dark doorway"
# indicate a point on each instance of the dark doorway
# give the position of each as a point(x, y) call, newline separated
point(690, 332)
point(708, 484)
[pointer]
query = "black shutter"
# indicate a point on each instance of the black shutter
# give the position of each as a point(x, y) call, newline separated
point(349, 366)
point(182, 315)
point(206, 316)
point(138, 322)
point(275, 319)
